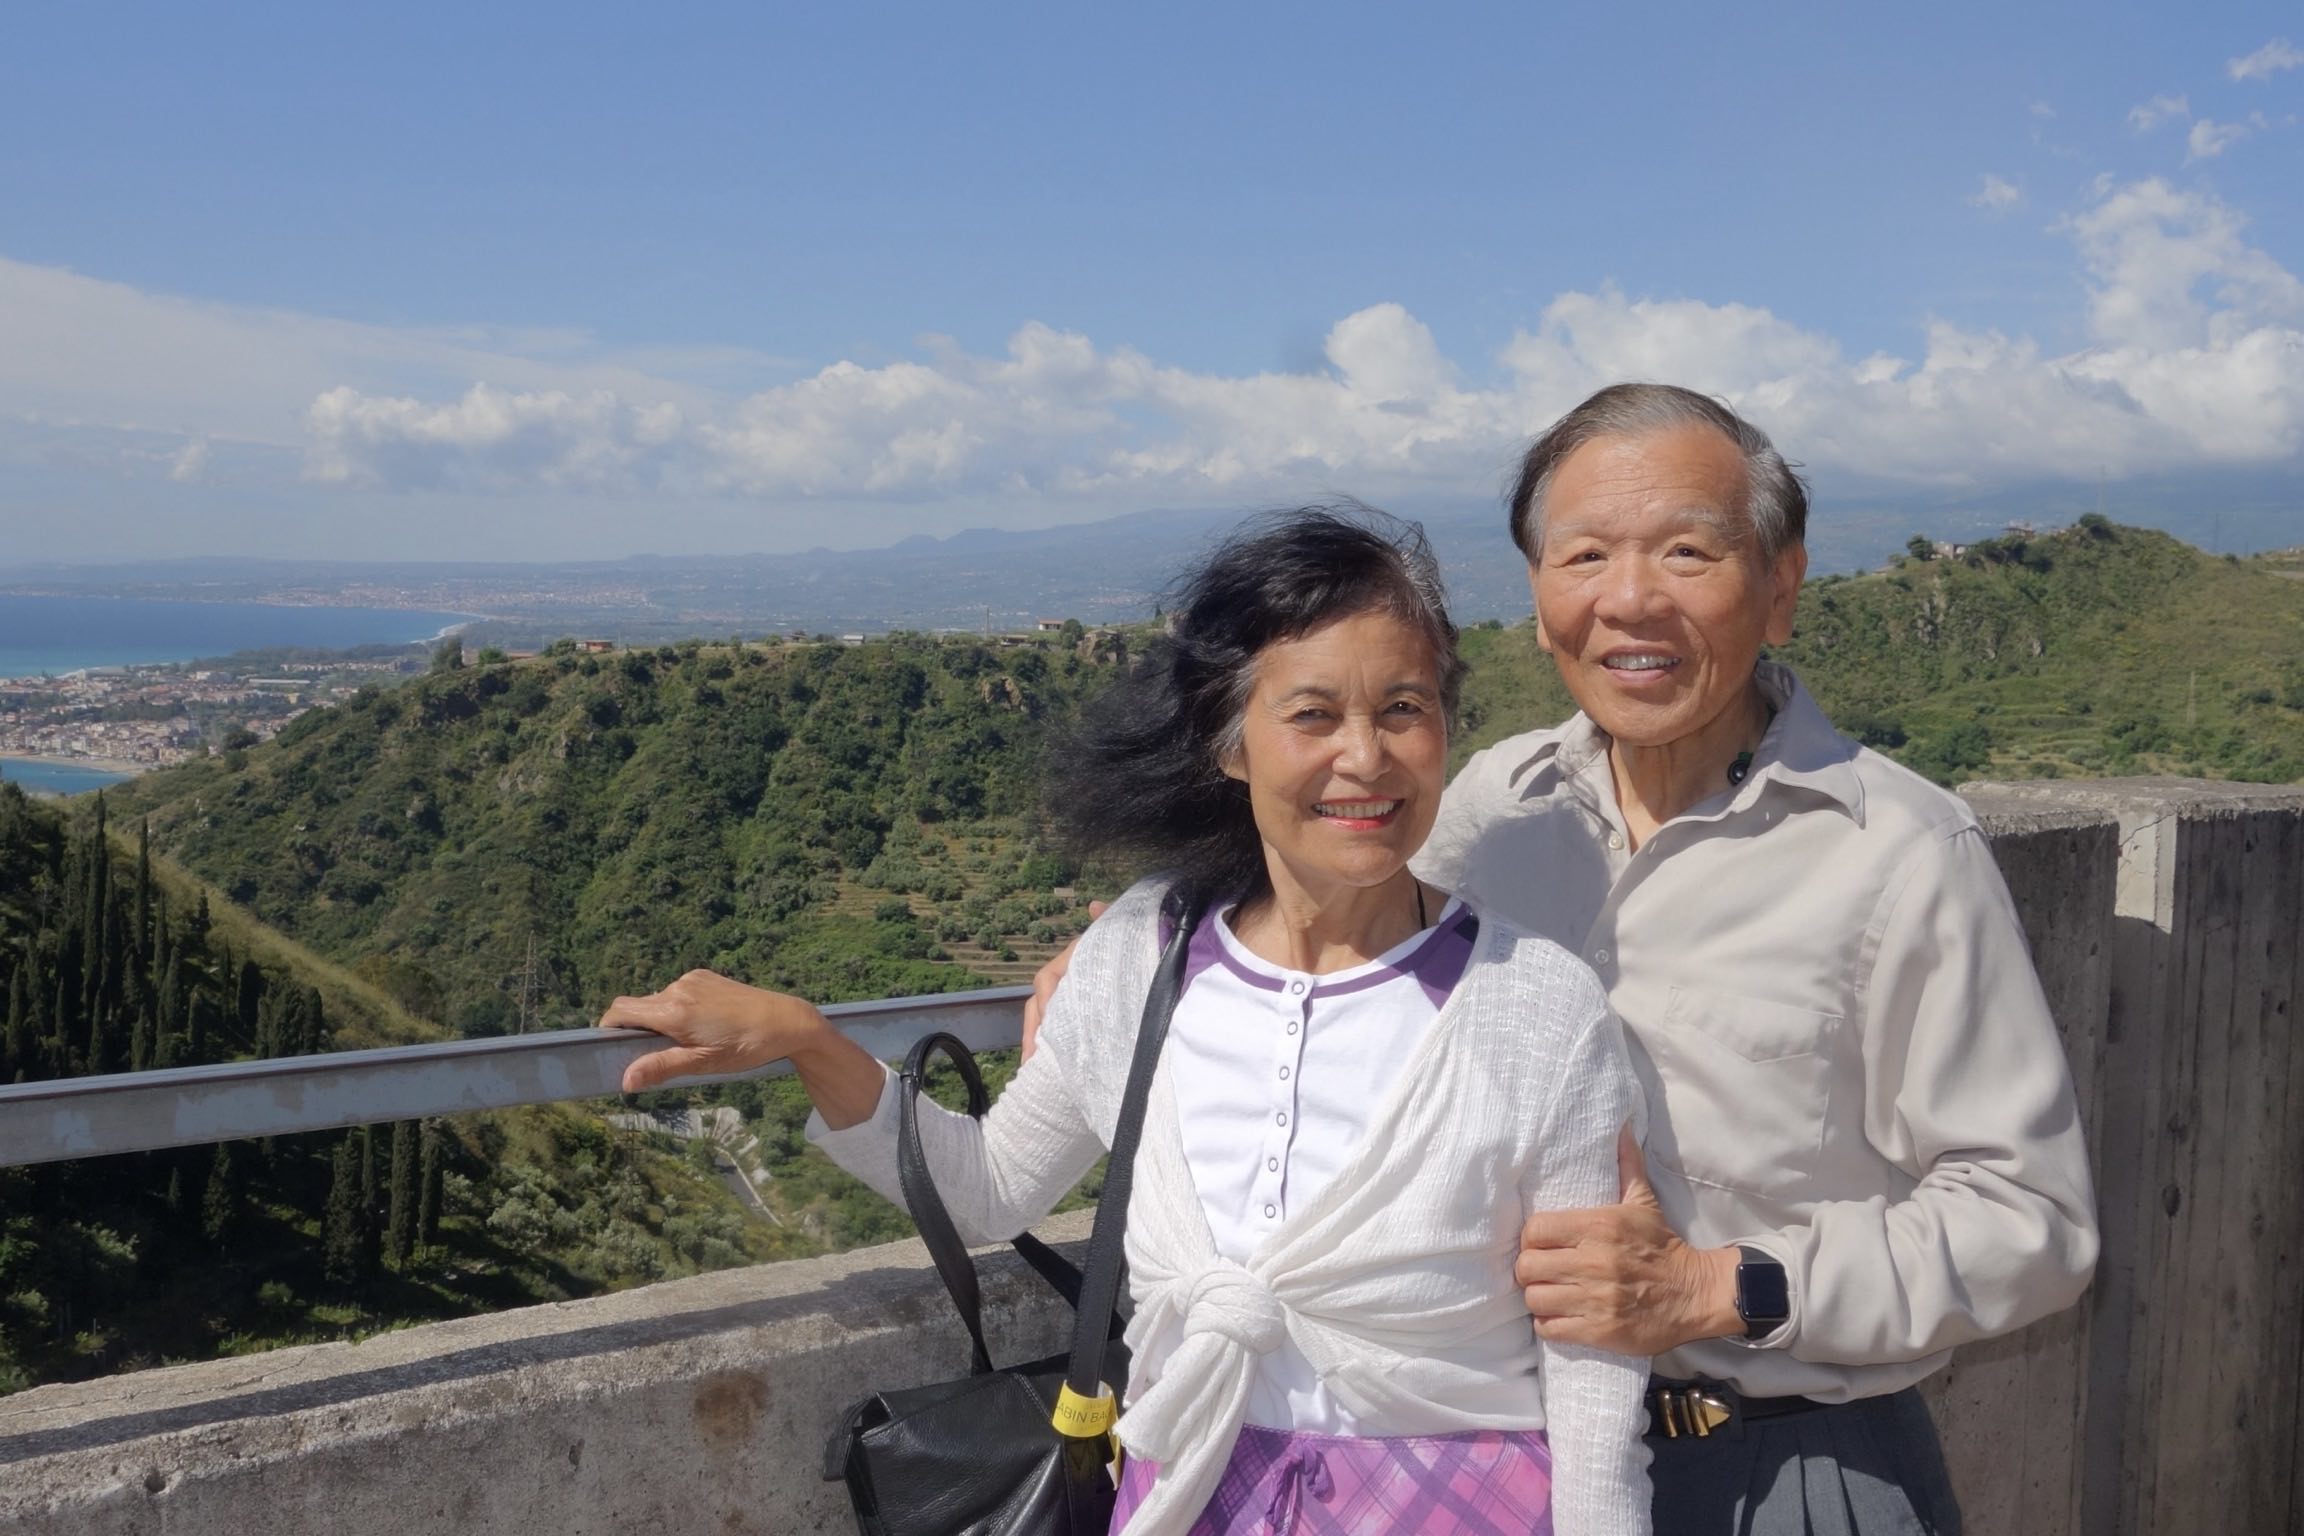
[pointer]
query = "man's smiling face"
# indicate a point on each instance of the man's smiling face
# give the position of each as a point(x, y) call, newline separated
point(1651, 592)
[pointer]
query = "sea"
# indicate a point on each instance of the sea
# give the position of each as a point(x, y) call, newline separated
point(40, 776)
point(53, 635)
point(49, 636)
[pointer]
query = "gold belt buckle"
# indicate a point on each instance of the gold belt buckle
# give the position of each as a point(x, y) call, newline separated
point(1691, 1411)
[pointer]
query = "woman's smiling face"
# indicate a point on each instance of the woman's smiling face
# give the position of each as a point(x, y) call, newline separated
point(1344, 749)
point(1651, 591)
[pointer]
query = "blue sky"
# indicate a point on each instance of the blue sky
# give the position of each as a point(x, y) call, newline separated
point(478, 279)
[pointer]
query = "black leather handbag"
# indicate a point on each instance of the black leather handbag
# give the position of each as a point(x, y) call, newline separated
point(984, 1455)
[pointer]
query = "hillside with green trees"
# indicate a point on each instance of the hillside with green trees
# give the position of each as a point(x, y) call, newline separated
point(507, 845)
point(842, 820)
point(111, 960)
point(2094, 651)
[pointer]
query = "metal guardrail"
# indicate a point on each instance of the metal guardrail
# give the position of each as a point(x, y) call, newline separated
point(188, 1106)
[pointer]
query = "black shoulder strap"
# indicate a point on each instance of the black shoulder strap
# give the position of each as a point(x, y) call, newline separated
point(927, 1207)
point(1100, 1290)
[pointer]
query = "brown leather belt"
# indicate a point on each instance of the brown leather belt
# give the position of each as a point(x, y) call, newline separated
point(1701, 1409)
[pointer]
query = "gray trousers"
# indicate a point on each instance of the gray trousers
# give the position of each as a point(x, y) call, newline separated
point(1867, 1468)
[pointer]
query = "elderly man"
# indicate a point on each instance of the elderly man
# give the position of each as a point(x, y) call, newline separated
point(1864, 1144)
point(1864, 1139)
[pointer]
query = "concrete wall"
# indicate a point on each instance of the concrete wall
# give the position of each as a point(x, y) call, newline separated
point(698, 1407)
point(2167, 918)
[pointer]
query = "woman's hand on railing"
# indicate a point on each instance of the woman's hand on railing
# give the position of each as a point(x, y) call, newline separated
point(716, 1026)
point(719, 1026)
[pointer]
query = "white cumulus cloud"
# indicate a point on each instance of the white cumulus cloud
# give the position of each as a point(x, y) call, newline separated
point(2267, 61)
point(2194, 357)
point(1997, 195)
point(2208, 138)
point(190, 462)
point(2158, 110)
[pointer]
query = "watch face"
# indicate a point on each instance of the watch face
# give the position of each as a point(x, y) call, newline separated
point(1761, 1293)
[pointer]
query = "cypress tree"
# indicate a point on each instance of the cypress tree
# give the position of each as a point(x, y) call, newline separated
point(371, 1189)
point(103, 1040)
point(196, 1028)
point(60, 1019)
point(432, 1178)
point(249, 994)
point(400, 1224)
point(169, 1022)
point(268, 1026)
point(220, 1201)
point(315, 1022)
point(16, 1046)
point(143, 887)
point(343, 1246)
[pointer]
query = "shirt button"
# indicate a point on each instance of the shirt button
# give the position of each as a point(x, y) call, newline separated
point(1283, 1074)
point(1291, 1026)
point(1599, 957)
point(1280, 1118)
point(1272, 1163)
point(1271, 1211)
point(1296, 987)
point(1615, 839)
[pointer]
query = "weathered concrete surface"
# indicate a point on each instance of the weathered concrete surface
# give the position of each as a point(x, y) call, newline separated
point(2167, 920)
point(694, 1406)
point(2196, 1322)
point(2011, 1410)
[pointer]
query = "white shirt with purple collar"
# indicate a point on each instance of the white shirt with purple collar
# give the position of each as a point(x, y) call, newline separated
point(1277, 1074)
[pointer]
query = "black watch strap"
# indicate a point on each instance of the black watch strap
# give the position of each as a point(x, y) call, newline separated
point(1763, 1295)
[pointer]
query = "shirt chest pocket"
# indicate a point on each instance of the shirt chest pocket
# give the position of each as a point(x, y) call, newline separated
point(1746, 1089)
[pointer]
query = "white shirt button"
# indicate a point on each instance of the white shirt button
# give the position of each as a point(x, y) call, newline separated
point(1272, 1163)
point(1271, 1211)
point(1280, 1118)
point(1615, 839)
point(1599, 957)
point(1283, 1074)
point(1292, 1027)
point(1296, 987)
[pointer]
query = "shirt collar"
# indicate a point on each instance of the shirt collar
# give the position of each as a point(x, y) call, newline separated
point(1800, 750)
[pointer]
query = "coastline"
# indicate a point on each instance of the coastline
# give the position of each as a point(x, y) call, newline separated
point(125, 767)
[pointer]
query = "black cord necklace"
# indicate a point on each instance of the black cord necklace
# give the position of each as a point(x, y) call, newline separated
point(1421, 924)
point(1740, 769)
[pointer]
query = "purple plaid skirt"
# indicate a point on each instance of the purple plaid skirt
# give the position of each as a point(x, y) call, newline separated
point(1282, 1483)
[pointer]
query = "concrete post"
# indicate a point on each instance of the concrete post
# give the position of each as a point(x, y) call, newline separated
point(2196, 1320)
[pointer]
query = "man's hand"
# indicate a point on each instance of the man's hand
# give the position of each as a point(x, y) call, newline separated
point(1619, 1278)
point(1044, 982)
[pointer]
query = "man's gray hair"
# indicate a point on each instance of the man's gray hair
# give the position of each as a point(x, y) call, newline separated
point(1775, 498)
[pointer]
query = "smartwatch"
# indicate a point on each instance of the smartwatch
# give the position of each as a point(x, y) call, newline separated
point(1763, 1298)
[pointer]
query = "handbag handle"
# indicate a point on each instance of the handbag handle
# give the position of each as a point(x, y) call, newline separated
point(1100, 1290)
point(928, 1214)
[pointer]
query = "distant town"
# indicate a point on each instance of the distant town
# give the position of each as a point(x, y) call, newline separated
point(127, 719)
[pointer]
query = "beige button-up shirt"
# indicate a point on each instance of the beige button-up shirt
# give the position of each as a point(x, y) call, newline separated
point(1848, 1059)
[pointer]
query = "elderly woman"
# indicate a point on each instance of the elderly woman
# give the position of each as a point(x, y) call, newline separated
point(1367, 1088)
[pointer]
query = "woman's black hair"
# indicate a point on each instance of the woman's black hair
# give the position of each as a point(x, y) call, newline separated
point(1142, 778)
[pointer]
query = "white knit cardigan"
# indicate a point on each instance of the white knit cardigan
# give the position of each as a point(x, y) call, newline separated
point(1396, 1282)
